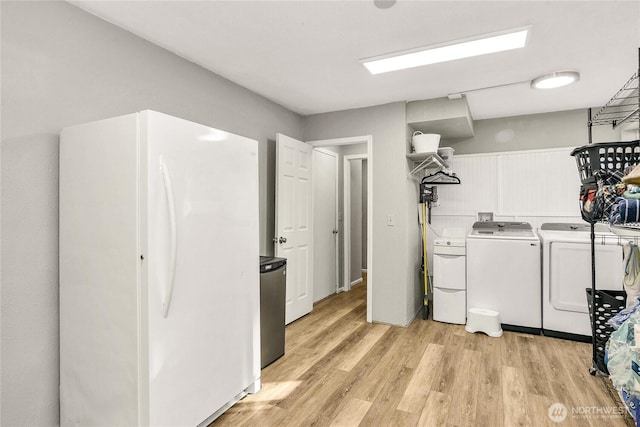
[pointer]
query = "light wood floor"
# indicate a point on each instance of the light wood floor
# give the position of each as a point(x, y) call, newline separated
point(339, 370)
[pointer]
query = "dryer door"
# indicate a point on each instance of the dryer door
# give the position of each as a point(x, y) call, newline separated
point(570, 272)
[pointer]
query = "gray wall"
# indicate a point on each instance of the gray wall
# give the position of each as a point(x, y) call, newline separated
point(394, 248)
point(365, 204)
point(413, 262)
point(62, 66)
point(536, 131)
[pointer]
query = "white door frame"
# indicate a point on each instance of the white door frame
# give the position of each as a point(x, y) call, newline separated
point(336, 222)
point(347, 218)
point(368, 139)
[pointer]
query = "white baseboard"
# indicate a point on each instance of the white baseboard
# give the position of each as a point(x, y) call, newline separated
point(355, 282)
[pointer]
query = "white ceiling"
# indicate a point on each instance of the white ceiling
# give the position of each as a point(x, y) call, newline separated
point(305, 55)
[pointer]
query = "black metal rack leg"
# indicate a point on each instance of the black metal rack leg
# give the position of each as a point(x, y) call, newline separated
point(594, 367)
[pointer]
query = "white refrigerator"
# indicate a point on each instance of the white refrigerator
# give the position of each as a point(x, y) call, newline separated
point(159, 277)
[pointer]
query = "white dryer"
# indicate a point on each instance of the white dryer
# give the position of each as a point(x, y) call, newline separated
point(566, 272)
point(503, 273)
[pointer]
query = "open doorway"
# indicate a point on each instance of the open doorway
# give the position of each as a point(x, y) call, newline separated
point(355, 219)
point(353, 153)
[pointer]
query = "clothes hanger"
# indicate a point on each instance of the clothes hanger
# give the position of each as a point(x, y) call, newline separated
point(441, 177)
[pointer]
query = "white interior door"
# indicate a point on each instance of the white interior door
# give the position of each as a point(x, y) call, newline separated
point(294, 232)
point(325, 223)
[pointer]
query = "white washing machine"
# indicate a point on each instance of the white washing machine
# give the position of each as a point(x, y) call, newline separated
point(449, 277)
point(503, 273)
point(566, 272)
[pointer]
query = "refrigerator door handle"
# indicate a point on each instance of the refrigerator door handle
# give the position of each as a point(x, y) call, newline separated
point(166, 178)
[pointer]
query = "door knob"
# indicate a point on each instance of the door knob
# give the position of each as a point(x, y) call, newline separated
point(282, 240)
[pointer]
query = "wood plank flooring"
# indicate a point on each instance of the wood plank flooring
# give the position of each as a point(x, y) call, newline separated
point(339, 370)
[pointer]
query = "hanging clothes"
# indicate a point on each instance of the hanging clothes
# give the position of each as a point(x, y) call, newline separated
point(631, 280)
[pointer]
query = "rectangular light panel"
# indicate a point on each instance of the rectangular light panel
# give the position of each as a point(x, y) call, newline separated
point(481, 45)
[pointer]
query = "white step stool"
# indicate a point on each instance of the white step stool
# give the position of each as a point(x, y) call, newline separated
point(484, 320)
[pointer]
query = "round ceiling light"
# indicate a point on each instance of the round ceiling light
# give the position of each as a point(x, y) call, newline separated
point(384, 4)
point(554, 80)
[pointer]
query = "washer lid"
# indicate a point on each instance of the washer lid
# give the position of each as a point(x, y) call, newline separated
point(573, 227)
point(501, 225)
point(502, 228)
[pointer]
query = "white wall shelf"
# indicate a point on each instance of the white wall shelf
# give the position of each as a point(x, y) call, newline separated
point(426, 161)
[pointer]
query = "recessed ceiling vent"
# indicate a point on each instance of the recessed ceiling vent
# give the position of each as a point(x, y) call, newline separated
point(450, 118)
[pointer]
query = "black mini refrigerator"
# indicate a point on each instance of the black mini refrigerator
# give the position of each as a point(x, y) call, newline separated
point(273, 283)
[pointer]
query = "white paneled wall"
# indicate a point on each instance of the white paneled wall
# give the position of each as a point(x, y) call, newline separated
point(477, 191)
point(535, 186)
point(541, 182)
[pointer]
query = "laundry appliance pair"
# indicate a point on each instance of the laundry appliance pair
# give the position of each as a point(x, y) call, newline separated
point(537, 281)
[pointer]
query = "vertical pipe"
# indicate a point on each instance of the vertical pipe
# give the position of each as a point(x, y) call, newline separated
point(593, 265)
point(593, 294)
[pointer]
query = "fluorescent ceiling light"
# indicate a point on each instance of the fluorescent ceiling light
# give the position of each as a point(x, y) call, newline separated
point(554, 80)
point(480, 45)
